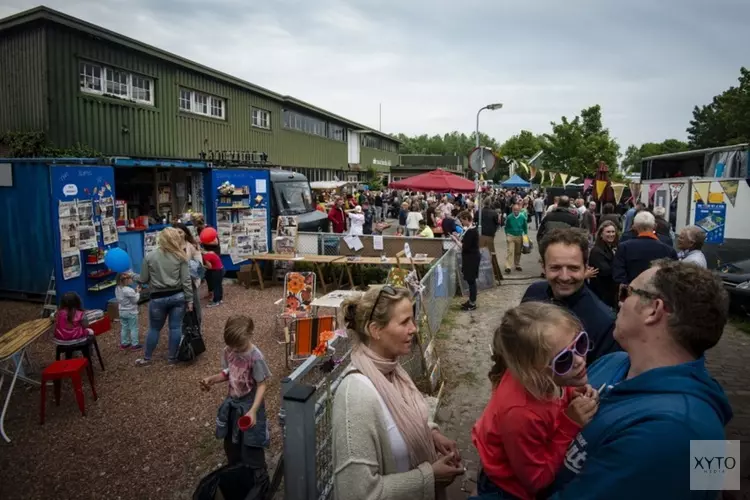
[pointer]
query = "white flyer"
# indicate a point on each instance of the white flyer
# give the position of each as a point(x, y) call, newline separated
point(377, 242)
point(260, 186)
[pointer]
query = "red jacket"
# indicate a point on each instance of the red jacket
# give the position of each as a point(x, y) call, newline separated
point(521, 440)
point(336, 216)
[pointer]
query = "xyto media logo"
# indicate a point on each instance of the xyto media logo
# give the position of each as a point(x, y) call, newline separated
point(714, 465)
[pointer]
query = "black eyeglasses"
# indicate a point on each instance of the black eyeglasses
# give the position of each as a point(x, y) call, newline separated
point(627, 291)
point(387, 289)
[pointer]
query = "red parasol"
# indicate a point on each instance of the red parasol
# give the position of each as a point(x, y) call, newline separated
point(437, 180)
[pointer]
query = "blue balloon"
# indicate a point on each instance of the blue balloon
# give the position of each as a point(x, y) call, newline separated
point(459, 229)
point(117, 260)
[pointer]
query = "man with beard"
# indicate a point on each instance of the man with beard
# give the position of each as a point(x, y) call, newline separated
point(564, 255)
point(657, 398)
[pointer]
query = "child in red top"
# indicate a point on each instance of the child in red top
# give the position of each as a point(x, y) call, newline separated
point(214, 276)
point(539, 403)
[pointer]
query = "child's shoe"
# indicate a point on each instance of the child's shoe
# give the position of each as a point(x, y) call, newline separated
point(124, 347)
point(136, 347)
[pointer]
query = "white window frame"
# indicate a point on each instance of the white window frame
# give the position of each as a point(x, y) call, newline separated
point(261, 118)
point(209, 104)
point(88, 81)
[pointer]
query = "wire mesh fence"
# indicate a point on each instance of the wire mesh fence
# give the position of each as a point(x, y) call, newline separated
point(308, 392)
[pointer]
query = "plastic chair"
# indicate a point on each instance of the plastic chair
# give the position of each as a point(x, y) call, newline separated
point(69, 368)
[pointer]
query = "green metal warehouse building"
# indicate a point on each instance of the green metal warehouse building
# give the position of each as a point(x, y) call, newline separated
point(82, 84)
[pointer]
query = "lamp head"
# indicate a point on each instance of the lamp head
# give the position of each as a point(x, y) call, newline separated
point(493, 107)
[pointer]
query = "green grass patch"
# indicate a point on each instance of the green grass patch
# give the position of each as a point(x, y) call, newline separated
point(741, 322)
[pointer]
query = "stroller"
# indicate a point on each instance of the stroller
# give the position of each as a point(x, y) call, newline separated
point(239, 482)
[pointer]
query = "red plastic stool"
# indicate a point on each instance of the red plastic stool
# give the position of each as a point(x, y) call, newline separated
point(67, 368)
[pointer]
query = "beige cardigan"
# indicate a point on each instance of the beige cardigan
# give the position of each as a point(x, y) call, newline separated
point(364, 468)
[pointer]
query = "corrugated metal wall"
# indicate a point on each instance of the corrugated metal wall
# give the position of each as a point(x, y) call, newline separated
point(27, 248)
point(367, 155)
point(119, 128)
point(23, 95)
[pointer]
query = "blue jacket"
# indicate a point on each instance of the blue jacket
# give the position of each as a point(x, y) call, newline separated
point(637, 446)
point(635, 256)
point(597, 318)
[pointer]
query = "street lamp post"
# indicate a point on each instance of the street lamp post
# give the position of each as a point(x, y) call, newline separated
point(491, 107)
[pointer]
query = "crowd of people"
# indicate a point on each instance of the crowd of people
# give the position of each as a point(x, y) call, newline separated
point(585, 403)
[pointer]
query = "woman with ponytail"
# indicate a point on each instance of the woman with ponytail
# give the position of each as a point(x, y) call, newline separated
point(383, 445)
point(540, 400)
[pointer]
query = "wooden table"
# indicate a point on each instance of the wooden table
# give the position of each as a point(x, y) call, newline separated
point(316, 260)
point(14, 344)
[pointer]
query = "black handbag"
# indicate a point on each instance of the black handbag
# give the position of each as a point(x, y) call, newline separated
point(191, 343)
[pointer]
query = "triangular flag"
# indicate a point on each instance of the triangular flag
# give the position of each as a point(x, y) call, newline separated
point(600, 187)
point(674, 190)
point(572, 180)
point(552, 177)
point(703, 189)
point(635, 191)
point(532, 172)
point(542, 172)
point(730, 189)
point(564, 179)
point(524, 165)
point(619, 189)
point(652, 188)
point(587, 184)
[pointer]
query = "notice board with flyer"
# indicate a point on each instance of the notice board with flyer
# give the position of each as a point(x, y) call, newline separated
point(83, 211)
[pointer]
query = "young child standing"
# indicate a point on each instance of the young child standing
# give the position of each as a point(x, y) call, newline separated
point(127, 303)
point(247, 373)
point(539, 402)
point(214, 277)
point(71, 326)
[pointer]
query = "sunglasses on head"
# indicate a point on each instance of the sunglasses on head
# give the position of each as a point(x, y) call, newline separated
point(388, 289)
point(627, 291)
point(563, 362)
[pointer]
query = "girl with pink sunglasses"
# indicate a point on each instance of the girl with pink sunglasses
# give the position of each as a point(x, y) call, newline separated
point(540, 401)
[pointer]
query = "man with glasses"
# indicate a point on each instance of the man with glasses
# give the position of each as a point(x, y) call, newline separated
point(564, 255)
point(656, 396)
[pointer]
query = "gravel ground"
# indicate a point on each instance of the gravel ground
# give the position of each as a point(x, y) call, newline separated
point(150, 434)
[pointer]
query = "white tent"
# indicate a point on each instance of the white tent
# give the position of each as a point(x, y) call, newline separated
point(328, 185)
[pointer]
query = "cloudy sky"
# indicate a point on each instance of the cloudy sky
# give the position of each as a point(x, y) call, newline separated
point(433, 63)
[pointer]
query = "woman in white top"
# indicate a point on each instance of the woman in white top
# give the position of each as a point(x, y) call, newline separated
point(383, 445)
point(689, 243)
point(357, 221)
point(195, 264)
point(412, 220)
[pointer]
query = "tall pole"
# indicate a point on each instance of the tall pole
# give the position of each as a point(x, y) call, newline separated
point(477, 174)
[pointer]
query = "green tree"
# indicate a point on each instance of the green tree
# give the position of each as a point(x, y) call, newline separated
point(726, 120)
point(577, 146)
point(522, 146)
point(453, 143)
point(631, 162)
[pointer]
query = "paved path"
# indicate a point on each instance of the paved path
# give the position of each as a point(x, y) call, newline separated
point(466, 359)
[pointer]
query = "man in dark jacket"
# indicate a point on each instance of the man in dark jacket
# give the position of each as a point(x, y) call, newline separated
point(564, 256)
point(560, 218)
point(635, 255)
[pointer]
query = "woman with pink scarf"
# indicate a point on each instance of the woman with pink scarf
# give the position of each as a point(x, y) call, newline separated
point(383, 445)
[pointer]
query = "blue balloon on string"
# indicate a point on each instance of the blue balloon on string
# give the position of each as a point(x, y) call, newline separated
point(459, 229)
point(117, 260)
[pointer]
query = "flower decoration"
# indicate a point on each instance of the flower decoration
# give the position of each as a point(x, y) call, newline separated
point(321, 349)
point(295, 283)
point(306, 294)
point(292, 303)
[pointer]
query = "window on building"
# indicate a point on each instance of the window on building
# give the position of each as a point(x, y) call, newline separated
point(370, 141)
point(141, 88)
point(202, 104)
point(336, 132)
point(117, 83)
point(261, 118)
point(303, 123)
point(217, 107)
point(91, 77)
point(185, 100)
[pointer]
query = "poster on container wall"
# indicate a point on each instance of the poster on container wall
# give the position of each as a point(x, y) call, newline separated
point(711, 217)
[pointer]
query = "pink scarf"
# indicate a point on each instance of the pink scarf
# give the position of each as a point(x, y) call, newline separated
point(403, 400)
